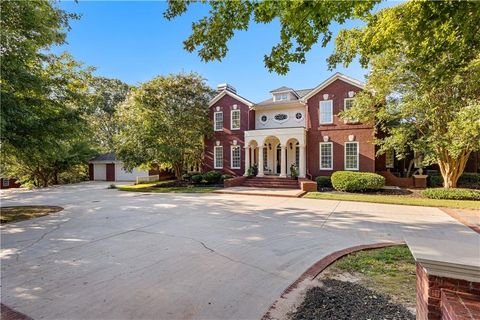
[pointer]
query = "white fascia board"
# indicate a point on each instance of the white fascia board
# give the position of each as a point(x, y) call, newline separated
point(231, 94)
point(336, 76)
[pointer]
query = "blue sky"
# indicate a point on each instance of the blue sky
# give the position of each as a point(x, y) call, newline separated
point(132, 41)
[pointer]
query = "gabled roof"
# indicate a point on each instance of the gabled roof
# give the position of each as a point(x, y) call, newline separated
point(336, 76)
point(299, 93)
point(231, 94)
point(281, 89)
point(105, 157)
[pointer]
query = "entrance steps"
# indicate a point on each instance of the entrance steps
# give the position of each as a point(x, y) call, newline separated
point(271, 182)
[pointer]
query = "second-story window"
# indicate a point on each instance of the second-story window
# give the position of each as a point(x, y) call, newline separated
point(281, 97)
point(218, 121)
point(235, 125)
point(326, 112)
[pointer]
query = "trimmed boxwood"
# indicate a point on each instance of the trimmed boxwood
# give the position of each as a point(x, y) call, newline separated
point(197, 178)
point(451, 194)
point(212, 177)
point(324, 182)
point(469, 180)
point(357, 181)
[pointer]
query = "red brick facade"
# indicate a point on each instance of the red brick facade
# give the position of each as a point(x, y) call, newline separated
point(337, 89)
point(227, 136)
point(9, 183)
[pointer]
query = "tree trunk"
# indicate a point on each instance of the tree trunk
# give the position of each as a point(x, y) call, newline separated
point(451, 169)
point(178, 168)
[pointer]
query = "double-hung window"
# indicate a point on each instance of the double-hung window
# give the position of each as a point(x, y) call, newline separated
point(218, 121)
point(235, 120)
point(218, 157)
point(326, 156)
point(326, 112)
point(235, 157)
point(351, 156)
point(347, 105)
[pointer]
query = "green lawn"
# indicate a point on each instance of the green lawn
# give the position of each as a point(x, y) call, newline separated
point(389, 270)
point(11, 214)
point(395, 199)
point(156, 187)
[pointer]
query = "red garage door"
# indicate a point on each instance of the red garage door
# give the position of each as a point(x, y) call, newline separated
point(110, 171)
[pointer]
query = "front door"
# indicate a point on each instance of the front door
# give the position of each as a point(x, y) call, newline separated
point(110, 172)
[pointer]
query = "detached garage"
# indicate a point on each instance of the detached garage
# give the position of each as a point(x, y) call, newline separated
point(106, 167)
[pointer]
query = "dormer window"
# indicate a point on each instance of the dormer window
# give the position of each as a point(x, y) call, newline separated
point(281, 96)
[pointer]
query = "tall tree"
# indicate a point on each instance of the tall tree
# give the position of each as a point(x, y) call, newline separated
point(423, 90)
point(43, 95)
point(106, 96)
point(164, 121)
point(303, 23)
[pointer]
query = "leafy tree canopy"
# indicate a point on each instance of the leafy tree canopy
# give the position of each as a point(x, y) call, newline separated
point(303, 24)
point(106, 95)
point(423, 91)
point(164, 121)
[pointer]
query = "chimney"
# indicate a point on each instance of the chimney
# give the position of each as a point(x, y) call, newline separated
point(226, 86)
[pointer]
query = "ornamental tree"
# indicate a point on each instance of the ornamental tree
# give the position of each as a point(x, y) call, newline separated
point(423, 90)
point(164, 122)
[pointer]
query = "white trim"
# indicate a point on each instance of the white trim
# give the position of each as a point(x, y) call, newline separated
point(320, 112)
point(239, 119)
point(281, 121)
point(260, 119)
point(345, 156)
point(231, 94)
point(295, 116)
point(239, 157)
point(215, 121)
point(5, 182)
point(320, 155)
point(336, 76)
point(215, 157)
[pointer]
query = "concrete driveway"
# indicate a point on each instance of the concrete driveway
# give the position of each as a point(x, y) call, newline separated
point(119, 255)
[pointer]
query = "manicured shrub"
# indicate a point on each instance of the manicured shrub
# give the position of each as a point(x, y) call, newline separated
point(357, 181)
point(324, 182)
point(469, 180)
point(451, 194)
point(197, 178)
point(226, 177)
point(212, 177)
point(435, 180)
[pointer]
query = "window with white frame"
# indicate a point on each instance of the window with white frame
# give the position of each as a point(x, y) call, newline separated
point(326, 156)
point(235, 157)
point(281, 97)
point(297, 156)
point(326, 112)
point(265, 157)
point(351, 156)
point(389, 159)
point(347, 103)
point(235, 120)
point(6, 182)
point(218, 121)
point(218, 157)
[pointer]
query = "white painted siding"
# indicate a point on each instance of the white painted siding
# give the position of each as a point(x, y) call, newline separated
point(122, 175)
point(99, 172)
point(291, 122)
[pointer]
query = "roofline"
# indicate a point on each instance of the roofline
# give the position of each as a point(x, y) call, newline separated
point(325, 83)
point(231, 94)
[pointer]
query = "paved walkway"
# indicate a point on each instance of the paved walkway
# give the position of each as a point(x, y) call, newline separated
point(267, 192)
point(120, 255)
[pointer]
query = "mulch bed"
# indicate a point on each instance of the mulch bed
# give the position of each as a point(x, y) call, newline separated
point(346, 300)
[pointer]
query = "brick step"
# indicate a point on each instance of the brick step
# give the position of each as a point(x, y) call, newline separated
point(273, 180)
point(289, 183)
point(253, 185)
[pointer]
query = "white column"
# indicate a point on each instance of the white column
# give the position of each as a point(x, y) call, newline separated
point(302, 172)
point(260, 161)
point(247, 159)
point(283, 162)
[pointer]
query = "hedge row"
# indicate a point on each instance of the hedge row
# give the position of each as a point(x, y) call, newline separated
point(357, 181)
point(211, 177)
point(466, 180)
point(451, 194)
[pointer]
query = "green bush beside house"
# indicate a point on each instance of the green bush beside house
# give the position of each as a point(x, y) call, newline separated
point(357, 181)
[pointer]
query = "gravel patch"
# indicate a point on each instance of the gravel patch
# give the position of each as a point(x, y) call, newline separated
point(336, 299)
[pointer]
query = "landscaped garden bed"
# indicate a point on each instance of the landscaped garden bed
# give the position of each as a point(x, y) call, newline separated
point(18, 213)
point(175, 186)
point(375, 284)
